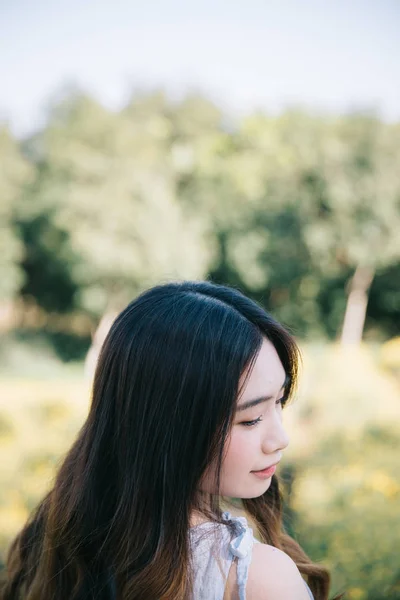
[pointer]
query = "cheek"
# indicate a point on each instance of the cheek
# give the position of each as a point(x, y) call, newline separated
point(239, 451)
point(239, 459)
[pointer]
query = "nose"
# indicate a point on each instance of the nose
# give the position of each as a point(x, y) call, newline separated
point(275, 437)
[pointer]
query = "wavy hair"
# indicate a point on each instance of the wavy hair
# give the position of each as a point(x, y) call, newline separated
point(115, 524)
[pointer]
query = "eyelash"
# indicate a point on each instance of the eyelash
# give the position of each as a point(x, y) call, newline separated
point(253, 423)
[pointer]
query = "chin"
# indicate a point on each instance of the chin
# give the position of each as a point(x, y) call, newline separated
point(248, 493)
point(264, 485)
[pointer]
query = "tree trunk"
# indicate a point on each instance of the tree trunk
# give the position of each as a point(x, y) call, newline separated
point(97, 341)
point(356, 308)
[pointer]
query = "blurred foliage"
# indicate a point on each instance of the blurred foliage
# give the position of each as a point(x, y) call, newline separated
point(105, 199)
point(15, 174)
point(346, 506)
point(42, 354)
point(47, 274)
point(99, 205)
point(390, 355)
point(38, 421)
point(344, 460)
point(384, 301)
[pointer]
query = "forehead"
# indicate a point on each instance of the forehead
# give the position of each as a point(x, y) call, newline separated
point(267, 375)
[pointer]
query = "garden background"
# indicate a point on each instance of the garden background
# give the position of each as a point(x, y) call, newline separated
point(299, 208)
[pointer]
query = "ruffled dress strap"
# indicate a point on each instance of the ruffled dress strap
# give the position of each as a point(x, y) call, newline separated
point(241, 547)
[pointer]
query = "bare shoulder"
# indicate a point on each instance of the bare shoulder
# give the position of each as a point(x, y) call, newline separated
point(273, 574)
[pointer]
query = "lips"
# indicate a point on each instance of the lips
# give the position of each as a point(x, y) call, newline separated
point(265, 468)
point(265, 473)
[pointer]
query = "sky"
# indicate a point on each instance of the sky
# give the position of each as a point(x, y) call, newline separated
point(269, 54)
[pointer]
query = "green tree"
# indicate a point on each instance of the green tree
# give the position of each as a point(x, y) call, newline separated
point(289, 208)
point(318, 201)
point(107, 180)
point(351, 200)
point(246, 185)
point(15, 173)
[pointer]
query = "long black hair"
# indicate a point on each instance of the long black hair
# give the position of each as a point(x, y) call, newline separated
point(115, 524)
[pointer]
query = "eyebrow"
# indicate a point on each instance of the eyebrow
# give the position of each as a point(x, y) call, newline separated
point(256, 401)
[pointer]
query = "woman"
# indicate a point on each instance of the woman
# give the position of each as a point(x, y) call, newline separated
point(186, 409)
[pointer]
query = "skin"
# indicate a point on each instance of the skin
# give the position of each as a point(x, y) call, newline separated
point(253, 446)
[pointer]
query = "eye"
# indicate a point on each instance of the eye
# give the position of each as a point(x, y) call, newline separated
point(251, 423)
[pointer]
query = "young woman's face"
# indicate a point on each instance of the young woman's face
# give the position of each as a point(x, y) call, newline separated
point(257, 438)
